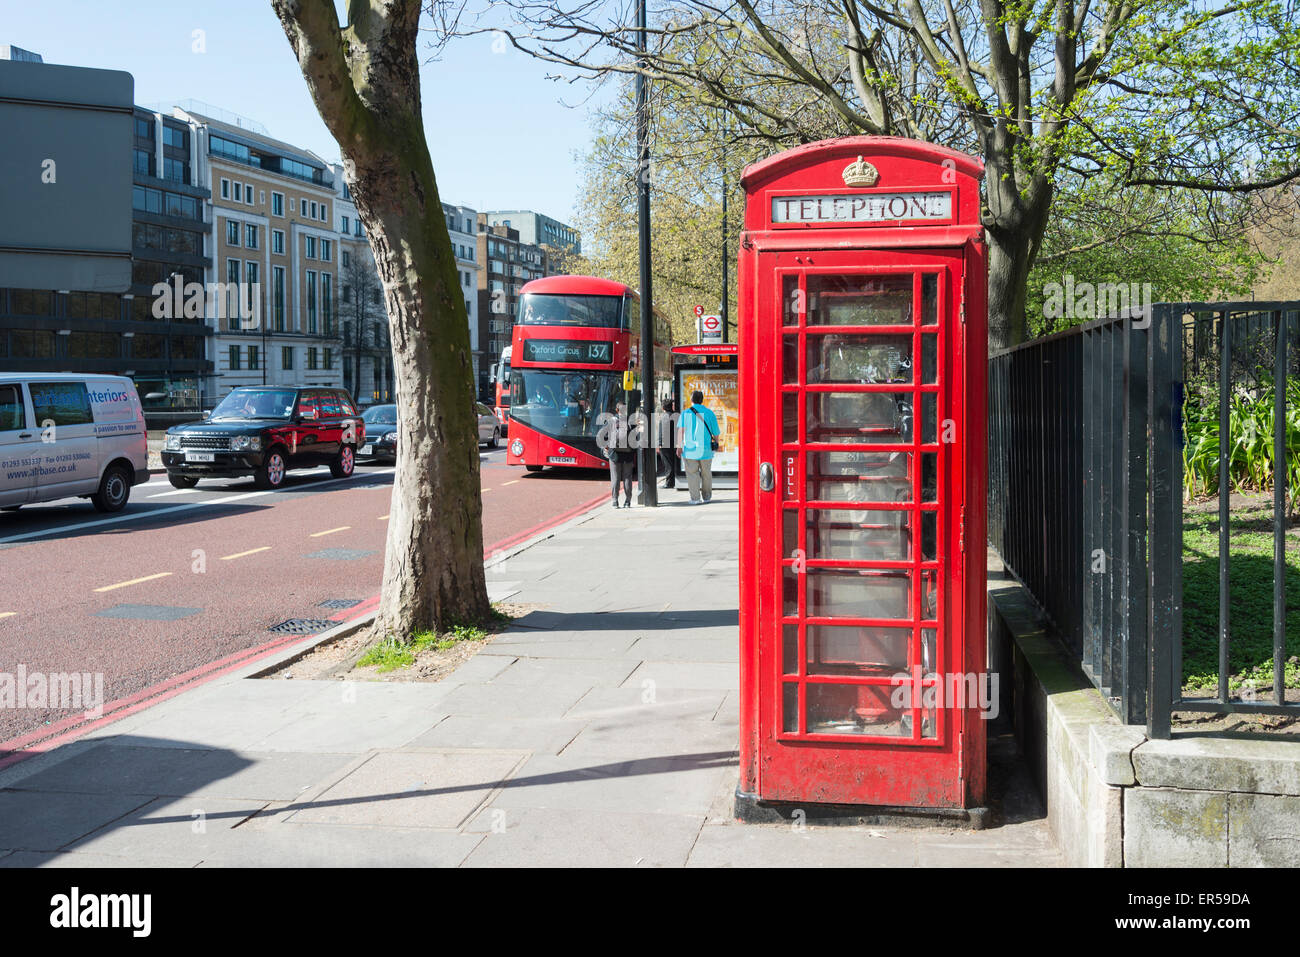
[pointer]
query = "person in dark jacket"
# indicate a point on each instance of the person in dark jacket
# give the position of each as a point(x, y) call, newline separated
point(667, 460)
point(622, 459)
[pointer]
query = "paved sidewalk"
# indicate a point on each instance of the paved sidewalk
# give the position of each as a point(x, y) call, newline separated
point(600, 730)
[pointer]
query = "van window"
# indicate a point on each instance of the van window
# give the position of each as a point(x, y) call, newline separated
point(12, 415)
point(62, 403)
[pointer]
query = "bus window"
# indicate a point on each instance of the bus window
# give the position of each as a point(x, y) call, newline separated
point(546, 309)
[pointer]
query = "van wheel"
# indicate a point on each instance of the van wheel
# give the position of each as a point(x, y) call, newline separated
point(182, 481)
point(271, 474)
point(343, 463)
point(114, 490)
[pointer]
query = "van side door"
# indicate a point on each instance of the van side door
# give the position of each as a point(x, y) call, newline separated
point(19, 445)
point(69, 450)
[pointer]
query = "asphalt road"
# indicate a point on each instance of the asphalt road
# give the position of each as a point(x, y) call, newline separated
point(182, 579)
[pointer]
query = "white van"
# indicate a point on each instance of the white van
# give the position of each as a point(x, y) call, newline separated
point(63, 435)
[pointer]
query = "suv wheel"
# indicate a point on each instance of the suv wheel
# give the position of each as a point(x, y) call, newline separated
point(343, 463)
point(271, 473)
point(182, 481)
point(114, 490)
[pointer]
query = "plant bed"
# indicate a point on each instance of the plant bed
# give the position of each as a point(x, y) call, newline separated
point(365, 655)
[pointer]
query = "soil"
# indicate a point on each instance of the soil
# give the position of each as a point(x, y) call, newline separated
point(337, 659)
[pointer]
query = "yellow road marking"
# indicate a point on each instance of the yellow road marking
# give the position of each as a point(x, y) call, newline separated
point(511, 482)
point(251, 551)
point(331, 531)
point(7, 614)
point(382, 518)
point(134, 581)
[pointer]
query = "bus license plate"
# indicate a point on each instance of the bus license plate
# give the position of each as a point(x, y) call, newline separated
point(561, 460)
point(200, 457)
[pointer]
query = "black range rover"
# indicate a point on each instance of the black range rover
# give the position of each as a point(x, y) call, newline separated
point(264, 431)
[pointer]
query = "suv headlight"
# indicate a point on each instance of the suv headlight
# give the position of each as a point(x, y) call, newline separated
point(173, 443)
point(245, 443)
point(390, 437)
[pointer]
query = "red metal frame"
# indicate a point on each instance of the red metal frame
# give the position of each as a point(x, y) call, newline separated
point(939, 763)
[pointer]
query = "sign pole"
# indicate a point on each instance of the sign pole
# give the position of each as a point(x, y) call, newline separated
point(648, 484)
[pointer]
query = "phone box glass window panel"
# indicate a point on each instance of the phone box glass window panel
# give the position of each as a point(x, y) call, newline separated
point(864, 360)
point(855, 709)
point(848, 651)
point(859, 300)
point(856, 593)
point(860, 477)
point(859, 535)
point(859, 417)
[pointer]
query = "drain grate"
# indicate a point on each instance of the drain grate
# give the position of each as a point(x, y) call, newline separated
point(303, 626)
point(339, 603)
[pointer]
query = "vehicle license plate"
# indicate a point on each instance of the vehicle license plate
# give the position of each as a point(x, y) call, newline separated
point(367, 449)
point(200, 457)
point(561, 460)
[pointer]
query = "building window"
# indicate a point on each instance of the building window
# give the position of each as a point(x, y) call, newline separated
point(311, 358)
point(238, 192)
point(324, 250)
point(252, 275)
point(144, 128)
point(178, 171)
point(277, 241)
point(344, 230)
point(324, 213)
point(248, 193)
point(225, 189)
point(232, 232)
point(234, 358)
point(346, 258)
point(311, 301)
point(327, 303)
point(254, 359)
point(313, 210)
point(250, 236)
point(311, 247)
point(328, 362)
point(286, 357)
point(230, 300)
point(143, 163)
point(293, 204)
point(277, 204)
point(277, 297)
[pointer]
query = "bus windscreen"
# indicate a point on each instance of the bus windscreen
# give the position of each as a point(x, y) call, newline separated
point(547, 309)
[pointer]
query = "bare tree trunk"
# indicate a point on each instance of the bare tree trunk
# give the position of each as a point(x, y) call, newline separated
point(364, 79)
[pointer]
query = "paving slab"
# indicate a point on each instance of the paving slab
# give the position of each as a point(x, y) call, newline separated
point(689, 675)
point(547, 838)
point(543, 735)
point(438, 789)
point(49, 820)
point(541, 700)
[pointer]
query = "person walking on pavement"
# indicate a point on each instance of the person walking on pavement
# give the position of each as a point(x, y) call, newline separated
point(666, 458)
point(621, 458)
point(697, 436)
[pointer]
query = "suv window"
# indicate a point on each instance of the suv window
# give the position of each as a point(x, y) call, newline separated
point(345, 403)
point(307, 404)
point(12, 414)
point(63, 403)
point(329, 405)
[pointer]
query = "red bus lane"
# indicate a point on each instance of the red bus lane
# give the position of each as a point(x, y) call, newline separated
point(141, 603)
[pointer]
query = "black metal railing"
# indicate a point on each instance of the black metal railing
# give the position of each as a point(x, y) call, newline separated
point(1086, 493)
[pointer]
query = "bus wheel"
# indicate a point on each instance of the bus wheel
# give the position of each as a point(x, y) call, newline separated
point(534, 468)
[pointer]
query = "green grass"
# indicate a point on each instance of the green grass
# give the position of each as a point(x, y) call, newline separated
point(392, 653)
point(1250, 578)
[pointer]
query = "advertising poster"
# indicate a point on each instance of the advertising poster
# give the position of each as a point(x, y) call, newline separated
point(723, 397)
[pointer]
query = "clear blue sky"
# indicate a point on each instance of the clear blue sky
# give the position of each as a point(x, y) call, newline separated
point(500, 134)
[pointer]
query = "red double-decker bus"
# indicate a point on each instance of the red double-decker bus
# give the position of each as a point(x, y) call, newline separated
point(575, 337)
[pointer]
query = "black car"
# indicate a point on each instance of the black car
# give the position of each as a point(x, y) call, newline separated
point(264, 431)
point(379, 434)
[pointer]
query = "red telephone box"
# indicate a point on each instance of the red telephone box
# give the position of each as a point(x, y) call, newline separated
point(863, 349)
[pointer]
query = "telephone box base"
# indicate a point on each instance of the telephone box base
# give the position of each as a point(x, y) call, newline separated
point(749, 809)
